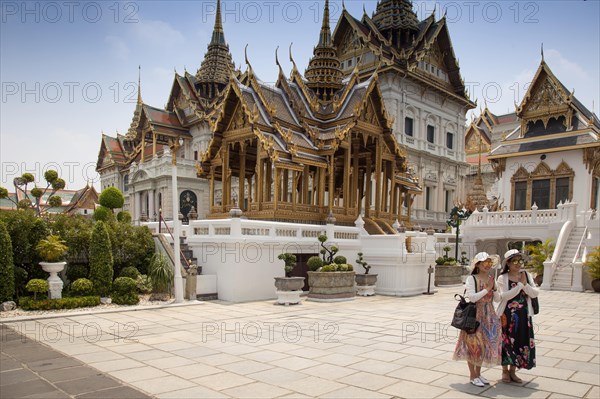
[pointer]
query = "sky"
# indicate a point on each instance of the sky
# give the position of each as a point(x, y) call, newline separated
point(69, 69)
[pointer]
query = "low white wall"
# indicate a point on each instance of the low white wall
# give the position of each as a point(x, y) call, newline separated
point(399, 273)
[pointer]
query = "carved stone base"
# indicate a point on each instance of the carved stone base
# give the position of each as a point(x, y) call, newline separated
point(288, 297)
point(365, 290)
point(55, 288)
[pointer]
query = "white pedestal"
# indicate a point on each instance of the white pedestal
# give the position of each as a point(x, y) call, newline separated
point(365, 290)
point(288, 297)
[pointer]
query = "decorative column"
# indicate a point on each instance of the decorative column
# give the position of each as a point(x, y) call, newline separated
point(377, 177)
point(368, 183)
point(347, 171)
point(331, 182)
point(242, 177)
point(226, 189)
point(276, 187)
point(175, 145)
point(355, 198)
point(151, 207)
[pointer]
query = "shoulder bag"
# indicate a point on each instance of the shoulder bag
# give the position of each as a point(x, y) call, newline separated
point(465, 314)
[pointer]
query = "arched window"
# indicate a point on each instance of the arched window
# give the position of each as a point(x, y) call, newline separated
point(544, 187)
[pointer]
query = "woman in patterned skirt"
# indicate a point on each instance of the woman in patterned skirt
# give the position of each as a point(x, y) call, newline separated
point(481, 348)
point(516, 289)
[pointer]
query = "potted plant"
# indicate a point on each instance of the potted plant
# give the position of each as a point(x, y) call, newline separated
point(365, 283)
point(330, 281)
point(53, 250)
point(288, 288)
point(447, 269)
point(593, 268)
point(538, 253)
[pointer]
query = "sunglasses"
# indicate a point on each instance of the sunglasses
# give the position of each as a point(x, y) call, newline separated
point(517, 261)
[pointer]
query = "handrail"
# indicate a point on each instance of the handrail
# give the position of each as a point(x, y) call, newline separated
point(161, 219)
point(585, 232)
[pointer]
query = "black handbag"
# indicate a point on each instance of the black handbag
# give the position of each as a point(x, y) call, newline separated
point(465, 314)
point(535, 304)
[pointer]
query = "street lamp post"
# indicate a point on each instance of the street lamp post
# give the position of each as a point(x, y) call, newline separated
point(457, 216)
point(174, 147)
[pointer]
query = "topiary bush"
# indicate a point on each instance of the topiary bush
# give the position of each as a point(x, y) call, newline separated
point(37, 286)
point(124, 217)
point(112, 198)
point(125, 291)
point(130, 272)
point(7, 269)
point(314, 263)
point(82, 287)
point(340, 260)
point(101, 260)
point(102, 214)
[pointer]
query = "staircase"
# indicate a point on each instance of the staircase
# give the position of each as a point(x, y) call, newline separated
point(186, 255)
point(562, 280)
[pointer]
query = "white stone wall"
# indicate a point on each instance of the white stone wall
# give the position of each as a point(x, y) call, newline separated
point(582, 183)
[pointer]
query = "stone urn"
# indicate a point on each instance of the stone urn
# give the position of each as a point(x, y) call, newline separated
point(596, 285)
point(288, 290)
point(365, 284)
point(331, 286)
point(55, 283)
point(448, 275)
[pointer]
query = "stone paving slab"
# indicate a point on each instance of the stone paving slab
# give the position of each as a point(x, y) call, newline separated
point(31, 369)
point(373, 347)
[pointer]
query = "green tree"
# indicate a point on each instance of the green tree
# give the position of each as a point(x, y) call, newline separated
point(538, 253)
point(111, 198)
point(133, 246)
point(101, 259)
point(7, 273)
point(26, 230)
point(32, 199)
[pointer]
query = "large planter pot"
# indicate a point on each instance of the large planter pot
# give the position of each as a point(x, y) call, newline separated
point(55, 284)
point(288, 290)
point(596, 285)
point(365, 284)
point(448, 275)
point(331, 286)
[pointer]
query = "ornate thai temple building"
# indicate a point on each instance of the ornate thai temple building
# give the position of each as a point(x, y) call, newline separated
point(372, 127)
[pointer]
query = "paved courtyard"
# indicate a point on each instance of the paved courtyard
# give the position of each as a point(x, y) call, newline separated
point(376, 347)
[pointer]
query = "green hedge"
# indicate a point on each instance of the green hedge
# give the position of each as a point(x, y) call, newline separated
point(125, 291)
point(27, 303)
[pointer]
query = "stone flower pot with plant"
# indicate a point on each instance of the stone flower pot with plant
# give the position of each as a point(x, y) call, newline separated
point(288, 288)
point(538, 253)
point(447, 270)
point(592, 265)
point(53, 250)
point(330, 281)
point(365, 283)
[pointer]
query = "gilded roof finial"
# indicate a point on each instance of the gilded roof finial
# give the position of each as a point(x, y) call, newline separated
point(292, 58)
point(364, 10)
point(343, 6)
point(218, 36)
point(277, 58)
point(139, 99)
point(542, 51)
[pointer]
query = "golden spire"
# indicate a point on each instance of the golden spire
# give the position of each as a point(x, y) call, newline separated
point(324, 73)
point(139, 99)
point(217, 65)
point(542, 50)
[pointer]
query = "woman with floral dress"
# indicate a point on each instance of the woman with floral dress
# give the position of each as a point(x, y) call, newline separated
point(516, 289)
point(481, 348)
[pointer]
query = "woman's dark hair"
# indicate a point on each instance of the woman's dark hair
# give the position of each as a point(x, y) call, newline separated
point(475, 269)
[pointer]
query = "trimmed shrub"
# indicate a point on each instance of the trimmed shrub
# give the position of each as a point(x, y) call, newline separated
point(130, 272)
point(144, 284)
point(7, 269)
point(314, 263)
point(101, 260)
point(340, 260)
point(112, 198)
point(27, 303)
point(82, 287)
point(125, 291)
point(102, 214)
point(328, 268)
point(161, 274)
point(131, 246)
point(124, 217)
point(37, 286)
